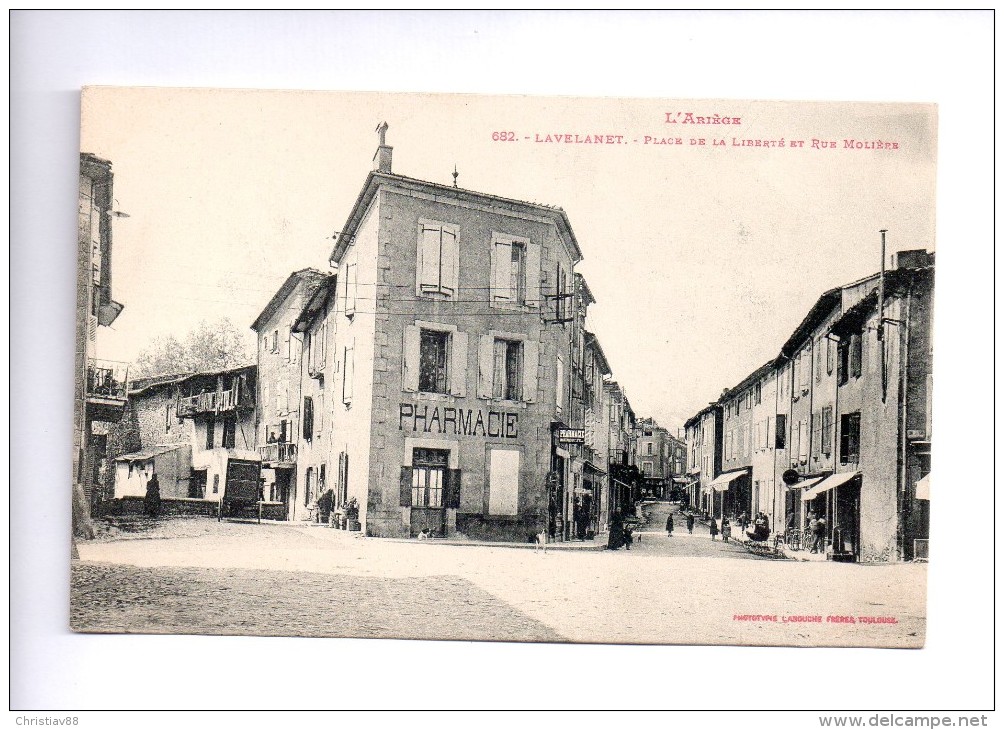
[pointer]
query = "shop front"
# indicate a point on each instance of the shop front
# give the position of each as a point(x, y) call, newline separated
point(837, 499)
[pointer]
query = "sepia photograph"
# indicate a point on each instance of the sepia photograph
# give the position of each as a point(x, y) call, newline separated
point(501, 360)
point(564, 369)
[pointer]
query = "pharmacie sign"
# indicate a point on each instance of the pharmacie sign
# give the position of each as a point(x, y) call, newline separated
point(571, 435)
point(450, 421)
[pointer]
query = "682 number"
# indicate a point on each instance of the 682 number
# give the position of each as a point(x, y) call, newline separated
point(503, 136)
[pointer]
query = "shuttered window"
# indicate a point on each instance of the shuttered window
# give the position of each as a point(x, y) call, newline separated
point(308, 418)
point(348, 373)
point(515, 271)
point(351, 285)
point(438, 260)
point(826, 434)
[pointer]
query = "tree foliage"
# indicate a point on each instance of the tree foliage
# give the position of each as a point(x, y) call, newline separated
point(211, 345)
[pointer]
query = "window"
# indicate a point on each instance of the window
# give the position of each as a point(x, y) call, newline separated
point(559, 390)
point(855, 355)
point(826, 435)
point(428, 477)
point(211, 434)
point(229, 433)
point(321, 477)
point(780, 431)
point(319, 414)
point(850, 437)
point(275, 341)
point(803, 441)
point(515, 271)
point(508, 370)
point(167, 418)
point(829, 356)
point(843, 360)
point(216, 483)
point(348, 367)
point(647, 468)
point(649, 448)
point(433, 357)
point(438, 260)
point(308, 418)
point(819, 361)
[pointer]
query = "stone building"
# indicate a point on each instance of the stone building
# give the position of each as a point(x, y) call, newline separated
point(654, 461)
point(704, 446)
point(100, 386)
point(280, 383)
point(842, 427)
point(444, 394)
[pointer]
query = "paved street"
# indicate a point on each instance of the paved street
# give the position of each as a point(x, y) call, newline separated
point(655, 541)
point(200, 576)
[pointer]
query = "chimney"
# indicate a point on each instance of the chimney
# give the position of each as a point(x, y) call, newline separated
point(382, 158)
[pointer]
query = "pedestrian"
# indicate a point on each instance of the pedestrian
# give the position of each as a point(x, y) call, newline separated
point(690, 524)
point(819, 536)
point(616, 537)
point(151, 502)
point(669, 525)
point(726, 529)
point(714, 529)
point(811, 529)
point(744, 520)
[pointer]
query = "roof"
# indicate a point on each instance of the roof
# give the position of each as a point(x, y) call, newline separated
point(139, 386)
point(316, 303)
point(592, 341)
point(820, 311)
point(445, 192)
point(697, 416)
point(151, 452)
point(749, 380)
point(310, 275)
point(586, 292)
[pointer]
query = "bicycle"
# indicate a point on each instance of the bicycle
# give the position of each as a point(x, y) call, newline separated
point(795, 540)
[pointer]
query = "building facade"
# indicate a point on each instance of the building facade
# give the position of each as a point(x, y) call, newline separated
point(100, 386)
point(280, 380)
point(838, 426)
point(448, 396)
point(654, 459)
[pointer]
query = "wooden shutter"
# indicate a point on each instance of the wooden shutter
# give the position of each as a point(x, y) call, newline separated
point(533, 274)
point(458, 364)
point(350, 289)
point(410, 359)
point(531, 361)
point(308, 418)
point(406, 486)
point(449, 258)
point(855, 356)
point(428, 258)
point(452, 496)
point(486, 362)
point(501, 288)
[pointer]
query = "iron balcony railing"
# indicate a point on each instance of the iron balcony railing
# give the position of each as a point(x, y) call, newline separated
point(278, 452)
point(107, 379)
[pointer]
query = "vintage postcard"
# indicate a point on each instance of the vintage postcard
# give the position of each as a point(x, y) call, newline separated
point(503, 368)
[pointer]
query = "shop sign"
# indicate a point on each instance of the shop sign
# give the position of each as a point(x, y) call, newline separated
point(571, 435)
point(452, 421)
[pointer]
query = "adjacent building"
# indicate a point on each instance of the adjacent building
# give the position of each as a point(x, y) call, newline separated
point(100, 385)
point(838, 425)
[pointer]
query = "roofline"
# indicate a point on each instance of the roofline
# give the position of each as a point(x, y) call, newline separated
point(287, 288)
point(592, 339)
point(749, 379)
point(375, 179)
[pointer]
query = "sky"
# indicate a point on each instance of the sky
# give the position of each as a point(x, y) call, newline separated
point(702, 257)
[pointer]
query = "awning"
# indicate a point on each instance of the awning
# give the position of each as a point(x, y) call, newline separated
point(829, 483)
point(721, 482)
point(681, 480)
point(806, 483)
point(924, 487)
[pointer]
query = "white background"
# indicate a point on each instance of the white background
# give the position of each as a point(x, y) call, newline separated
point(939, 57)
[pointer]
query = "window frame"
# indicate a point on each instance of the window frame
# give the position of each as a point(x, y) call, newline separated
point(427, 334)
point(439, 290)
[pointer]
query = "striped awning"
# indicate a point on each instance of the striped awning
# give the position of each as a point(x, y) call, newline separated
point(829, 483)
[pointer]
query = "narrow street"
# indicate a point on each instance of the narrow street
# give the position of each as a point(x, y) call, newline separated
point(654, 540)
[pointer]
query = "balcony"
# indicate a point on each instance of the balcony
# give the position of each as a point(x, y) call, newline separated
point(106, 389)
point(217, 401)
point(278, 453)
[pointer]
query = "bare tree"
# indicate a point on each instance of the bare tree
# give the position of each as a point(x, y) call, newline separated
point(211, 345)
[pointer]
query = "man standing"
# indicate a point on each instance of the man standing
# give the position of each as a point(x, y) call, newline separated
point(151, 502)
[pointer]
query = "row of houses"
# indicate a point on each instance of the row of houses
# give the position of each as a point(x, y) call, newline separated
point(440, 377)
point(837, 425)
